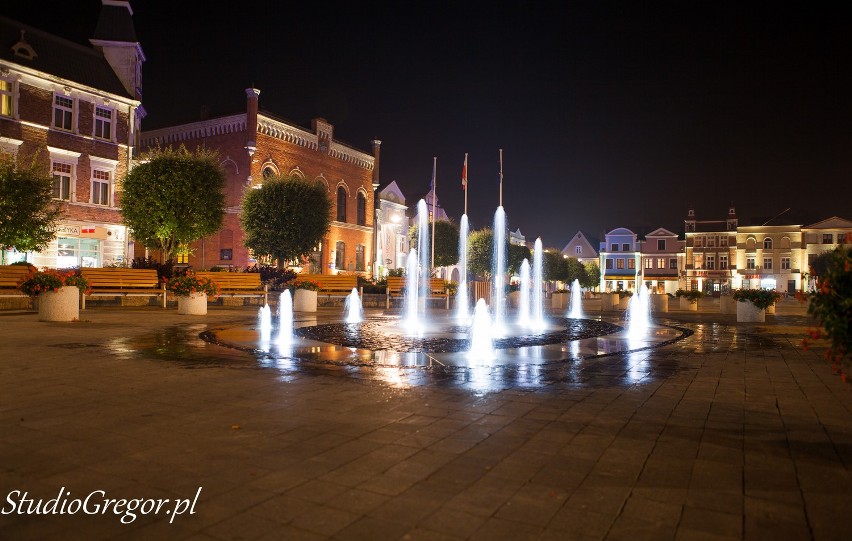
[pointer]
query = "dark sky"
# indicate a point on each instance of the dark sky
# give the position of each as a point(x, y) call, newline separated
point(608, 114)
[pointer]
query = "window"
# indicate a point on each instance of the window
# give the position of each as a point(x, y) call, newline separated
point(6, 95)
point(827, 238)
point(661, 244)
point(63, 113)
point(723, 241)
point(362, 211)
point(579, 250)
point(62, 180)
point(77, 252)
point(608, 263)
point(767, 243)
point(661, 262)
point(711, 241)
point(631, 263)
point(767, 262)
point(673, 263)
point(339, 254)
point(103, 123)
point(359, 257)
point(100, 187)
point(619, 263)
point(226, 254)
point(698, 242)
point(785, 263)
point(614, 248)
point(341, 204)
point(182, 259)
point(750, 263)
point(711, 262)
point(723, 261)
point(625, 247)
point(649, 263)
point(268, 172)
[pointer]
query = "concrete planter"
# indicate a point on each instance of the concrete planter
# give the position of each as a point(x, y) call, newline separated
point(193, 305)
point(659, 304)
point(771, 309)
point(624, 302)
point(305, 300)
point(513, 299)
point(60, 305)
point(609, 302)
point(560, 300)
point(686, 304)
point(727, 305)
point(749, 313)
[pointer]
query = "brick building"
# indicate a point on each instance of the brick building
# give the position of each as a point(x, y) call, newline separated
point(710, 253)
point(78, 109)
point(254, 145)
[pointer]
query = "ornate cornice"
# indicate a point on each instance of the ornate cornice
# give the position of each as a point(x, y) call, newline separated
point(303, 138)
point(194, 130)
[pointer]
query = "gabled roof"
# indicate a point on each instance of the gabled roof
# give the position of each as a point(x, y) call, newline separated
point(392, 193)
point(661, 232)
point(581, 238)
point(58, 57)
point(835, 222)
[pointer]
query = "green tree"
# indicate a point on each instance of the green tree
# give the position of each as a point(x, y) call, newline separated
point(446, 242)
point(28, 212)
point(286, 218)
point(555, 266)
point(174, 198)
point(575, 270)
point(592, 276)
point(480, 247)
point(515, 255)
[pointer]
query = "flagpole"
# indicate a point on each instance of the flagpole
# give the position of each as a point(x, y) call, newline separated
point(434, 210)
point(501, 177)
point(465, 182)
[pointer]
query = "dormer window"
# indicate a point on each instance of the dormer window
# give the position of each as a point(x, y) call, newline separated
point(23, 49)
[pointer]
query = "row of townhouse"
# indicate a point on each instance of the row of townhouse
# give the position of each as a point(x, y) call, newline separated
point(716, 256)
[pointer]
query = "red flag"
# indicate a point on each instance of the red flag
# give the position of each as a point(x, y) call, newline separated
point(464, 173)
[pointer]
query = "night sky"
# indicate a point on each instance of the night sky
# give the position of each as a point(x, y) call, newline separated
point(609, 115)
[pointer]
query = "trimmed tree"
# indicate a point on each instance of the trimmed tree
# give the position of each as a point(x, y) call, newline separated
point(480, 250)
point(285, 218)
point(515, 256)
point(592, 276)
point(28, 212)
point(446, 242)
point(576, 271)
point(174, 198)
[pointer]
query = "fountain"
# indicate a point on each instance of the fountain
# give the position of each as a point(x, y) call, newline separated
point(639, 313)
point(462, 309)
point(264, 323)
point(524, 300)
point(285, 319)
point(417, 274)
point(537, 316)
point(576, 307)
point(498, 262)
point(354, 312)
point(481, 338)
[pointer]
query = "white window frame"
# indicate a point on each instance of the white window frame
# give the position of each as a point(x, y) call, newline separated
point(105, 165)
point(12, 93)
point(751, 263)
point(769, 261)
point(111, 131)
point(579, 250)
point(661, 262)
point(723, 261)
point(60, 155)
point(72, 109)
point(785, 263)
point(649, 263)
point(710, 262)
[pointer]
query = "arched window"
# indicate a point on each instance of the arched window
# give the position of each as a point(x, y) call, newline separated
point(767, 243)
point(750, 243)
point(362, 209)
point(341, 204)
point(340, 255)
point(268, 172)
point(359, 257)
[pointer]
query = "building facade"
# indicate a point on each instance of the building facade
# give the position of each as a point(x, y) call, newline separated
point(662, 255)
point(391, 230)
point(769, 257)
point(253, 146)
point(820, 237)
point(77, 110)
point(583, 248)
point(710, 254)
point(619, 260)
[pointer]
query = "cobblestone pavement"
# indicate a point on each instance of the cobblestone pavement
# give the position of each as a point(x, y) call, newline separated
point(731, 433)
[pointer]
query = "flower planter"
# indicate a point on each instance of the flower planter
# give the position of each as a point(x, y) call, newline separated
point(659, 303)
point(60, 305)
point(624, 302)
point(514, 299)
point(609, 302)
point(193, 305)
point(771, 309)
point(305, 300)
point(560, 300)
point(749, 313)
point(727, 304)
point(686, 304)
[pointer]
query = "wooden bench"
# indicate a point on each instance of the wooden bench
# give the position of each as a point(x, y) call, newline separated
point(121, 282)
point(238, 284)
point(437, 289)
point(10, 277)
point(331, 284)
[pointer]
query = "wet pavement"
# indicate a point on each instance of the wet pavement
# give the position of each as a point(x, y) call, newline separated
point(731, 432)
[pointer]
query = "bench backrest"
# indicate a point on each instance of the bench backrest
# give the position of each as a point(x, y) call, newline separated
point(233, 280)
point(121, 278)
point(332, 282)
point(396, 285)
point(12, 275)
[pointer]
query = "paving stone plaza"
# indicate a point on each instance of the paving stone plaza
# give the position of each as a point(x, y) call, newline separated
point(732, 432)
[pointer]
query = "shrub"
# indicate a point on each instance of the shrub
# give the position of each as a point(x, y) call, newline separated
point(37, 282)
point(272, 276)
point(624, 293)
point(164, 270)
point(691, 295)
point(310, 285)
point(760, 298)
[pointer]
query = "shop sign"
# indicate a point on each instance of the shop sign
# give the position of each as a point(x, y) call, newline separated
point(68, 230)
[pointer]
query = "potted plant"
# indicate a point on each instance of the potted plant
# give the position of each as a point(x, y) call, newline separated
point(192, 292)
point(560, 298)
point(624, 298)
point(57, 291)
point(689, 299)
point(752, 304)
point(304, 295)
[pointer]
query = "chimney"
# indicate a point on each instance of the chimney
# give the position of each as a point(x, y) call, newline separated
point(377, 148)
point(251, 120)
